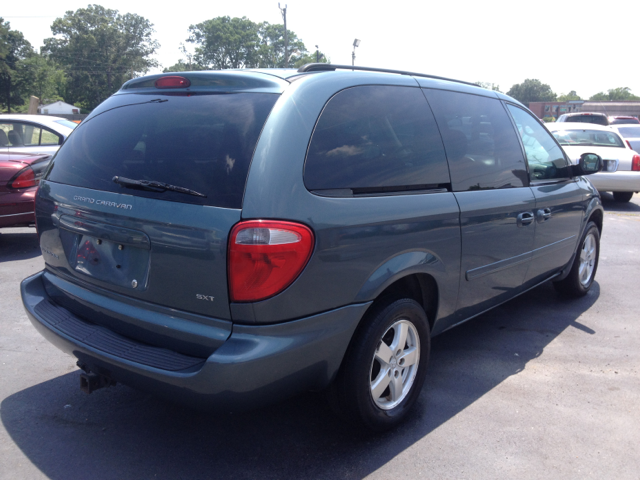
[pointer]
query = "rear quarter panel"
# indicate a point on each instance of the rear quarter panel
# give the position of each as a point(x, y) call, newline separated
point(362, 244)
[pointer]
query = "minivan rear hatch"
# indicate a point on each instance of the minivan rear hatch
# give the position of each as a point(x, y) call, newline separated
point(140, 199)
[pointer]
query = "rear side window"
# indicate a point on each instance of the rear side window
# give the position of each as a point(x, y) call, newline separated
point(15, 134)
point(200, 142)
point(480, 141)
point(376, 139)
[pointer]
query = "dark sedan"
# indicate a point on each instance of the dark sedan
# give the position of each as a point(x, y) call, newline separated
point(19, 178)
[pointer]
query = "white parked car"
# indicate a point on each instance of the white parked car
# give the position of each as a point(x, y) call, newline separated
point(33, 133)
point(621, 171)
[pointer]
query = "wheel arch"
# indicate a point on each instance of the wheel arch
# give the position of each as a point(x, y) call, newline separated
point(411, 275)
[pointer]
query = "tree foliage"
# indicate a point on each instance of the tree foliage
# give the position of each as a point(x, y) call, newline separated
point(14, 48)
point(615, 94)
point(532, 90)
point(489, 86)
point(99, 50)
point(566, 97)
point(225, 42)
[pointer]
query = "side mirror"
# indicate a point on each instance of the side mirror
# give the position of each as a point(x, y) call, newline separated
point(589, 163)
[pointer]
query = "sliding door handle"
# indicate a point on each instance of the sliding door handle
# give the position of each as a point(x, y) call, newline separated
point(525, 218)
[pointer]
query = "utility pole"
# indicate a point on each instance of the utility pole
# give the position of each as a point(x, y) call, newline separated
point(356, 43)
point(286, 40)
point(317, 55)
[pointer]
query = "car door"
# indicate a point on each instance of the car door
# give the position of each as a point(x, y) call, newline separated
point(490, 184)
point(28, 137)
point(560, 201)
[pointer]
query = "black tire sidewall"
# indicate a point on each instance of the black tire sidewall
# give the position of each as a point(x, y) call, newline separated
point(572, 285)
point(362, 354)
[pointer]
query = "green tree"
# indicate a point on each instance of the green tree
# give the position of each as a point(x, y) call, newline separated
point(99, 50)
point(225, 42)
point(566, 97)
point(13, 49)
point(532, 90)
point(620, 93)
point(271, 48)
point(311, 57)
point(42, 77)
point(489, 86)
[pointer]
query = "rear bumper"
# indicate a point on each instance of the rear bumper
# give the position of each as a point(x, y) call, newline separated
point(254, 366)
point(621, 181)
point(17, 207)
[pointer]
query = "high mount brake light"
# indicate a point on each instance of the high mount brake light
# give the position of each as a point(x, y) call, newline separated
point(265, 257)
point(173, 81)
point(23, 179)
point(635, 163)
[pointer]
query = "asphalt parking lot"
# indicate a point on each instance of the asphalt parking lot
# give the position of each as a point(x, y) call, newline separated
point(541, 387)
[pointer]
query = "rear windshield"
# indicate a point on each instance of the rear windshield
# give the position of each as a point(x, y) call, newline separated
point(589, 138)
point(620, 121)
point(200, 142)
point(597, 119)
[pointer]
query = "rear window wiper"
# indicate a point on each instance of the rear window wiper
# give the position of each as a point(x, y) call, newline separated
point(154, 186)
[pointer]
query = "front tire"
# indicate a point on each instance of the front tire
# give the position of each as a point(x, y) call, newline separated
point(384, 369)
point(584, 267)
point(622, 197)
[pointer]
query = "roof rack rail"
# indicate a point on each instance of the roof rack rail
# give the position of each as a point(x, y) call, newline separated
point(328, 67)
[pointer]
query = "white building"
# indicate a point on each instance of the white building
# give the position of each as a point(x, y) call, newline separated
point(58, 108)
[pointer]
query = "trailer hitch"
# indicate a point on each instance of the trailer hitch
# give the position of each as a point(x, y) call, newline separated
point(90, 381)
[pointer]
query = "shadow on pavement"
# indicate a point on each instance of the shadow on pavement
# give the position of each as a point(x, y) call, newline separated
point(610, 205)
point(18, 244)
point(121, 433)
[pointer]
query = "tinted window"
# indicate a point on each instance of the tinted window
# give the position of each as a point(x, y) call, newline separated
point(480, 141)
point(376, 138)
point(545, 158)
point(200, 142)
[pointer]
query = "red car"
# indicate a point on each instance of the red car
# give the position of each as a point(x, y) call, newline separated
point(19, 177)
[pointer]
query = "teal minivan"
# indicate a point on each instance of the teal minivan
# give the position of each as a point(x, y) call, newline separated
point(230, 238)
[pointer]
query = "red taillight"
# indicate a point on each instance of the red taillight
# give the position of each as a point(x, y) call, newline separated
point(265, 257)
point(23, 179)
point(635, 163)
point(173, 81)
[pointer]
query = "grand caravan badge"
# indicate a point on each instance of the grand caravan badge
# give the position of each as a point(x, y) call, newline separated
point(106, 203)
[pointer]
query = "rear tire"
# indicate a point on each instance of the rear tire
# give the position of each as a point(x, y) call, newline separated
point(622, 197)
point(584, 267)
point(384, 369)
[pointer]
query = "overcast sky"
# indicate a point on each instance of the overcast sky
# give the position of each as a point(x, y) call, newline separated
point(570, 45)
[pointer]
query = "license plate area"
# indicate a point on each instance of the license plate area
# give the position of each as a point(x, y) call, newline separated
point(110, 254)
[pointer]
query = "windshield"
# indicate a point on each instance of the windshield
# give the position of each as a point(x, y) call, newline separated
point(593, 138)
point(202, 142)
point(67, 123)
point(630, 132)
